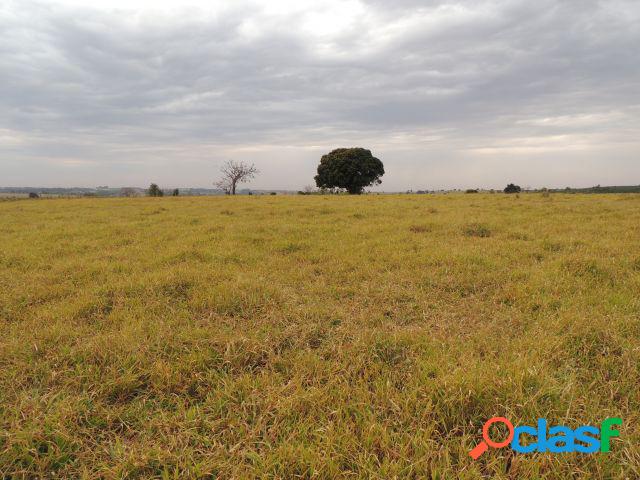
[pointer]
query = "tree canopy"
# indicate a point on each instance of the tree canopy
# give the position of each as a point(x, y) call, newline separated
point(349, 168)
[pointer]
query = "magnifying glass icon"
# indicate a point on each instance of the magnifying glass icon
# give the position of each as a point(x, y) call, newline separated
point(484, 445)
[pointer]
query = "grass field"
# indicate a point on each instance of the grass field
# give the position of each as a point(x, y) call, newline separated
point(315, 336)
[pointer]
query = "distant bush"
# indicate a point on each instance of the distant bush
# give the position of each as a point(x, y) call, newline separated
point(512, 188)
point(154, 191)
point(472, 190)
point(477, 230)
point(273, 193)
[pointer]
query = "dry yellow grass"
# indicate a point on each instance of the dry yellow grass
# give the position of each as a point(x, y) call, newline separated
point(314, 336)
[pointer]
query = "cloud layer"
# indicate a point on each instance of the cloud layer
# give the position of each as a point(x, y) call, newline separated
point(446, 93)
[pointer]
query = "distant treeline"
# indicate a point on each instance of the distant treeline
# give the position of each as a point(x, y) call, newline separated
point(599, 189)
point(136, 191)
point(117, 192)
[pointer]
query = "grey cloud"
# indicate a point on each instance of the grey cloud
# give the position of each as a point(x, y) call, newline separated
point(434, 85)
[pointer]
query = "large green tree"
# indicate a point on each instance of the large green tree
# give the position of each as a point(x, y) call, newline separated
point(349, 168)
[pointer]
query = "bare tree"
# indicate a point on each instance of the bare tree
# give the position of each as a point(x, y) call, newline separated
point(233, 173)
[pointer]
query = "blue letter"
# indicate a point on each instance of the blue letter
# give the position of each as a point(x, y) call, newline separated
point(593, 444)
point(515, 443)
point(542, 435)
point(566, 439)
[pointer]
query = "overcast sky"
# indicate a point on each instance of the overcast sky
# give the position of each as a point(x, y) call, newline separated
point(459, 93)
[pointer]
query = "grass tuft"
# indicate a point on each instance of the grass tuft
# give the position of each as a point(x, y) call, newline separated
point(476, 230)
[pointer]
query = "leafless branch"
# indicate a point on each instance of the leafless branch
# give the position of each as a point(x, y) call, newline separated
point(234, 173)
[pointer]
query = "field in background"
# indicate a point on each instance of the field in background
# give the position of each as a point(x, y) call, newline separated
point(315, 336)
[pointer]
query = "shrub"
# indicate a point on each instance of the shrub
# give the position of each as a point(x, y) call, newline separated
point(154, 191)
point(512, 188)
